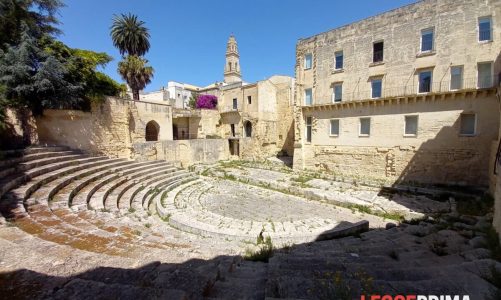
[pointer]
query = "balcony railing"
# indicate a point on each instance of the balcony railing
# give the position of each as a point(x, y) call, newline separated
point(229, 108)
point(415, 89)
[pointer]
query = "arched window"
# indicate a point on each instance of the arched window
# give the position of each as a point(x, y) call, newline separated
point(229, 66)
point(152, 129)
point(248, 129)
point(236, 66)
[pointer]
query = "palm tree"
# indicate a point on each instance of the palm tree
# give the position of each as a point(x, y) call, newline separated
point(136, 73)
point(129, 35)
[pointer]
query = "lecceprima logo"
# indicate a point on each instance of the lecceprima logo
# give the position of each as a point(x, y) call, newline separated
point(415, 297)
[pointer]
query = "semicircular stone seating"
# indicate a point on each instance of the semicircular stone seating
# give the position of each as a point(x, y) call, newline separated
point(95, 204)
point(246, 215)
point(95, 211)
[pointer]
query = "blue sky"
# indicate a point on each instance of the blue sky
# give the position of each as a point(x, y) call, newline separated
point(188, 38)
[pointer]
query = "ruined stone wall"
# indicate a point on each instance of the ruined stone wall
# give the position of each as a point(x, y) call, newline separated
point(209, 124)
point(438, 154)
point(144, 112)
point(183, 152)
point(110, 128)
point(496, 187)
point(285, 113)
point(17, 129)
point(271, 119)
point(497, 202)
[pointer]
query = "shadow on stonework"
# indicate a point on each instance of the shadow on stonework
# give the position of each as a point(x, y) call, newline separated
point(376, 262)
point(441, 168)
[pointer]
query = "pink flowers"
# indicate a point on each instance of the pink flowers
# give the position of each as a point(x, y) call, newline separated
point(206, 101)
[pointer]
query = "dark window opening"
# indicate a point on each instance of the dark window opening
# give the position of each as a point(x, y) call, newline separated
point(232, 130)
point(248, 129)
point(339, 60)
point(378, 52)
point(308, 129)
point(425, 82)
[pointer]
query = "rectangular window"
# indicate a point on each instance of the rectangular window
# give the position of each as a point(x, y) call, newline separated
point(308, 129)
point(235, 103)
point(308, 97)
point(365, 126)
point(334, 128)
point(339, 60)
point(425, 82)
point(376, 88)
point(307, 61)
point(427, 40)
point(456, 78)
point(337, 92)
point(484, 75)
point(377, 54)
point(411, 125)
point(468, 124)
point(232, 126)
point(484, 29)
point(249, 100)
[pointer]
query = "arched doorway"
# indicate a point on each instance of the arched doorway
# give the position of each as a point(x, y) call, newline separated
point(152, 129)
point(248, 129)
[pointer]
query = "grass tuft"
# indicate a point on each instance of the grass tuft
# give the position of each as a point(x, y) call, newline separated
point(264, 253)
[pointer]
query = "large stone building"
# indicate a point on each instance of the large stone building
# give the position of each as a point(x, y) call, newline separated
point(255, 118)
point(405, 96)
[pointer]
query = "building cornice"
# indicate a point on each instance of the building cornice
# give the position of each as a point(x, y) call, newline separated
point(429, 97)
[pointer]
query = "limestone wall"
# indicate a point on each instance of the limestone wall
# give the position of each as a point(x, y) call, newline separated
point(17, 129)
point(455, 25)
point(209, 123)
point(110, 128)
point(497, 202)
point(438, 154)
point(285, 113)
point(185, 152)
point(496, 188)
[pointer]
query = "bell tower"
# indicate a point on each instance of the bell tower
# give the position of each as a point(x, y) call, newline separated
point(232, 67)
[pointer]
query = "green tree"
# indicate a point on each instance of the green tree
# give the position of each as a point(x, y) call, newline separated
point(34, 78)
point(38, 15)
point(136, 73)
point(192, 103)
point(46, 73)
point(82, 66)
point(130, 35)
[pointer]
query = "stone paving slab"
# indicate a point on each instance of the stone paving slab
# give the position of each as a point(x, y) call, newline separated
point(407, 204)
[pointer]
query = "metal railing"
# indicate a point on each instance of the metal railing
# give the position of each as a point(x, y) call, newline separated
point(229, 108)
point(411, 89)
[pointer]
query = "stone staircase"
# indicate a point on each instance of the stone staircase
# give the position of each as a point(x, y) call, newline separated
point(393, 261)
point(77, 226)
point(83, 204)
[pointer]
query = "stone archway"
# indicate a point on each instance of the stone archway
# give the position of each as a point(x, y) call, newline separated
point(247, 129)
point(152, 130)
